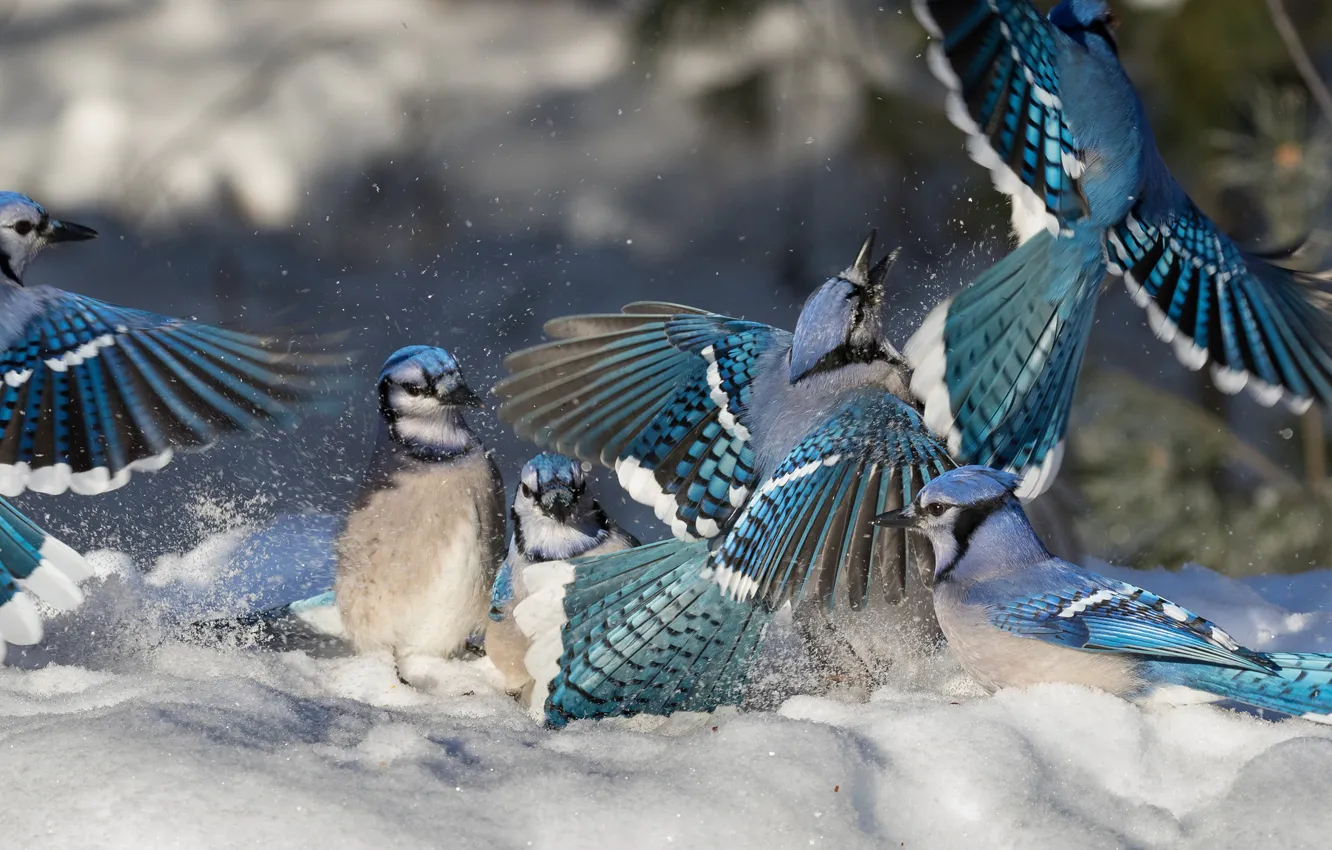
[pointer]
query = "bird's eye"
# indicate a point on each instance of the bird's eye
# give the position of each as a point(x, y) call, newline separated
point(23, 228)
point(936, 509)
point(413, 389)
point(527, 491)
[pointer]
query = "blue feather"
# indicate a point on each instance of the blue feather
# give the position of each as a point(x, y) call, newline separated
point(811, 520)
point(1300, 683)
point(501, 592)
point(666, 394)
point(1051, 113)
point(1103, 615)
point(648, 631)
point(91, 392)
point(998, 364)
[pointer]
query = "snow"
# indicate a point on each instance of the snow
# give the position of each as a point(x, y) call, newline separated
point(148, 741)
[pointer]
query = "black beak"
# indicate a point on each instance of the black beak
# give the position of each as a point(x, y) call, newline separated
point(900, 518)
point(68, 231)
point(559, 504)
point(462, 396)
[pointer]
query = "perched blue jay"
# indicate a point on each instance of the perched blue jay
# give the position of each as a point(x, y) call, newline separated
point(768, 453)
point(1015, 615)
point(426, 537)
point(32, 561)
point(418, 554)
point(1050, 111)
point(90, 392)
point(553, 518)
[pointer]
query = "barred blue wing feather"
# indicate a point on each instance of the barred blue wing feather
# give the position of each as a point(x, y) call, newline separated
point(659, 397)
point(999, 60)
point(1262, 327)
point(90, 392)
point(808, 531)
point(997, 365)
point(647, 631)
point(1103, 615)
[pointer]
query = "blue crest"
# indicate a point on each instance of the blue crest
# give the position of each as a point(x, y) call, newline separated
point(417, 361)
point(552, 469)
point(970, 485)
point(824, 325)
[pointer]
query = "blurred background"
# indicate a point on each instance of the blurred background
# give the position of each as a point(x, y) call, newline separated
point(455, 172)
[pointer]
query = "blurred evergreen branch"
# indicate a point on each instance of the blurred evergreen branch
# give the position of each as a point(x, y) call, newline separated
point(1148, 463)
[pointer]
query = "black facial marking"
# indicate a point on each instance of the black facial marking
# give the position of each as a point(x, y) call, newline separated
point(1102, 28)
point(8, 269)
point(968, 520)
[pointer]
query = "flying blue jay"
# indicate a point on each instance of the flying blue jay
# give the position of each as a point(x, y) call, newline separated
point(33, 561)
point(1048, 108)
point(553, 518)
point(426, 537)
point(768, 453)
point(1015, 615)
point(90, 392)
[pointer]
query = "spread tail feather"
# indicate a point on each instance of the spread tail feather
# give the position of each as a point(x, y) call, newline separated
point(1300, 687)
point(312, 625)
point(641, 631)
point(996, 366)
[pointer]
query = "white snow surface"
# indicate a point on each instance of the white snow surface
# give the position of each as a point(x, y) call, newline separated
point(117, 735)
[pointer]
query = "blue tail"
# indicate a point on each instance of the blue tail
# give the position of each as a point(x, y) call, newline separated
point(648, 632)
point(996, 366)
point(1301, 687)
point(311, 625)
point(31, 560)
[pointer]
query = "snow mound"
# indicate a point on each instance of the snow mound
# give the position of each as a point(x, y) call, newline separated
point(146, 741)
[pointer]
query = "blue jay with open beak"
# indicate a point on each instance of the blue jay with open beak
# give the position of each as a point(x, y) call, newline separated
point(768, 453)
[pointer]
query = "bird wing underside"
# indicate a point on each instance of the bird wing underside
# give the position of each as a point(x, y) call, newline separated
point(91, 392)
point(999, 60)
point(661, 398)
point(808, 531)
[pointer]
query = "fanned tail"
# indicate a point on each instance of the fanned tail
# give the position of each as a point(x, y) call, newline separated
point(1300, 687)
point(33, 561)
point(996, 366)
point(312, 625)
point(642, 631)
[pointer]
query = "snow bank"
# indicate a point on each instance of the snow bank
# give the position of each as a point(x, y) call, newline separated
point(129, 739)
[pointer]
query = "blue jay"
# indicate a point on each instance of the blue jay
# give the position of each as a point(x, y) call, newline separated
point(1048, 108)
point(420, 549)
point(768, 453)
point(1015, 615)
point(90, 392)
point(417, 556)
point(33, 561)
point(553, 518)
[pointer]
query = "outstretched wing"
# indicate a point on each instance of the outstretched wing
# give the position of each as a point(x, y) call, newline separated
point(33, 561)
point(809, 530)
point(999, 60)
point(1263, 327)
point(90, 392)
point(1099, 614)
point(659, 393)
